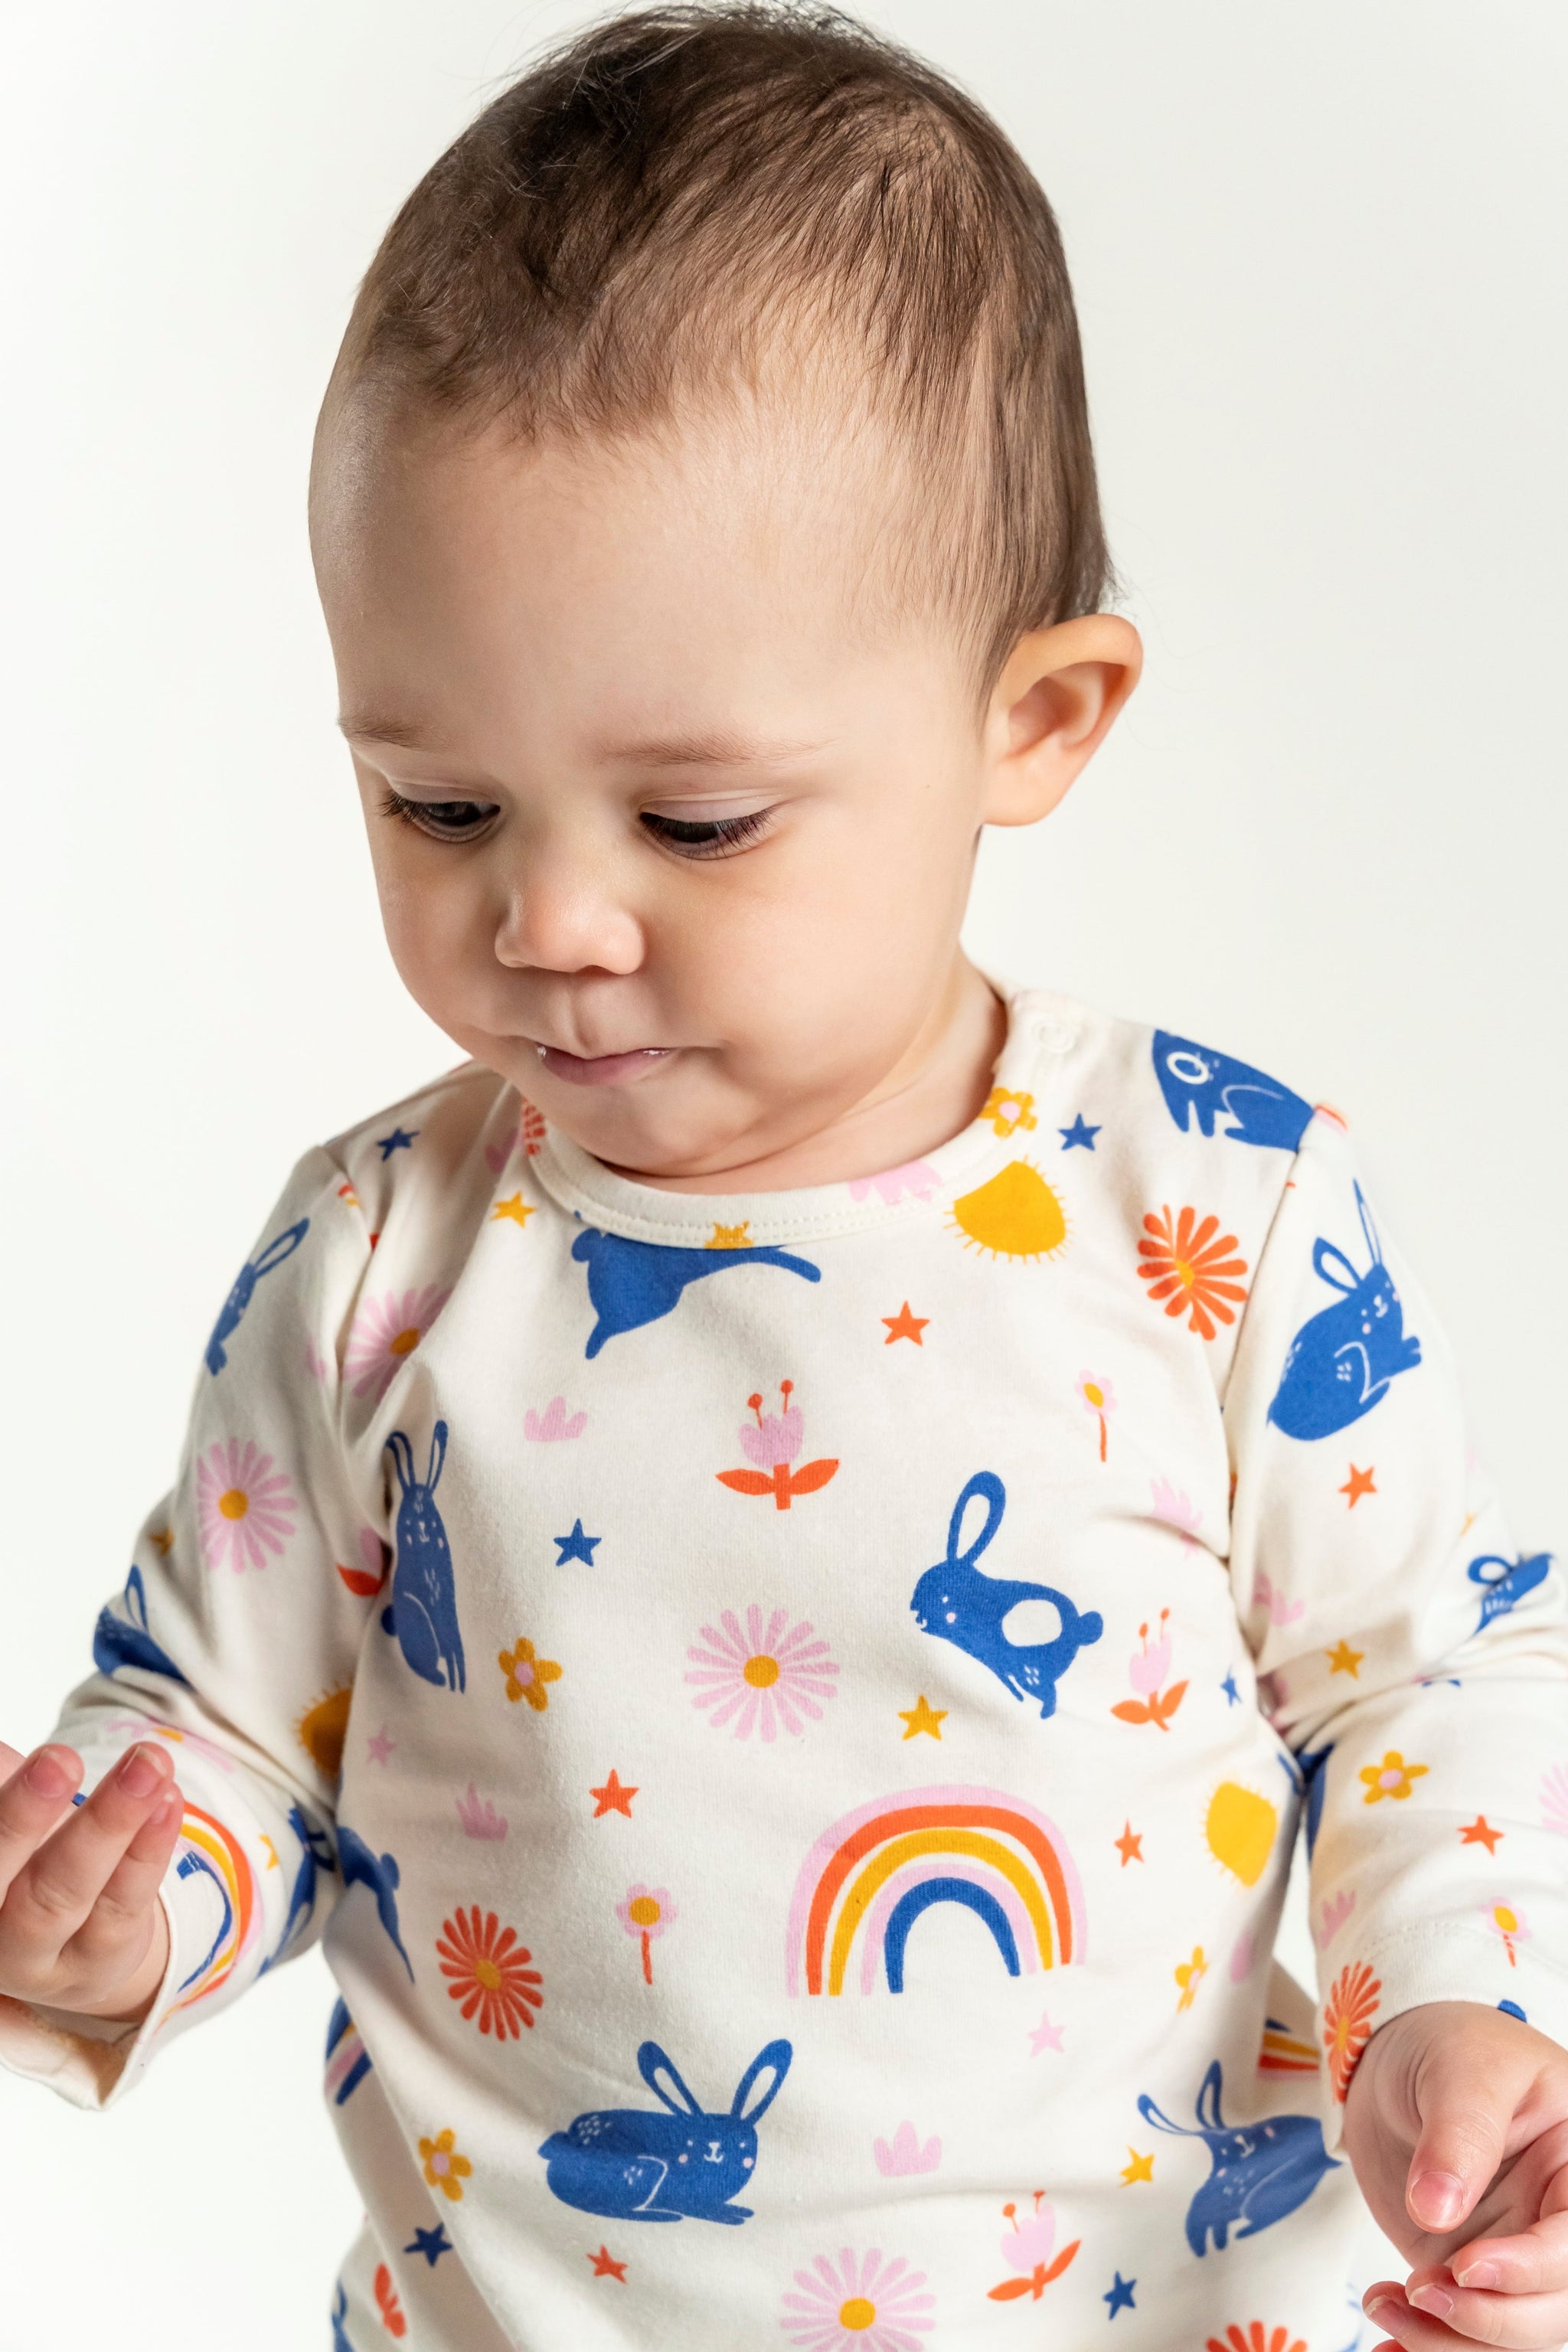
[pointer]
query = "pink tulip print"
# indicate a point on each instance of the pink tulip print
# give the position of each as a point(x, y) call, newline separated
point(1026, 2248)
point(772, 1445)
point(1146, 1671)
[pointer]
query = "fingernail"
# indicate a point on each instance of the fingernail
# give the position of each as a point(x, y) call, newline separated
point(1382, 2302)
point(139, 1773)
point(1431, 2299)
point(1441, 2196)
point(1480, 2275)
point(46, 1776)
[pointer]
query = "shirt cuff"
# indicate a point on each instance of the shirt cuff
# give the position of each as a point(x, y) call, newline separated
point(1499, 1968)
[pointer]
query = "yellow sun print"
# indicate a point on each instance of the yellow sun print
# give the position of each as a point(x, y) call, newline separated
point(1014, 1215)
point(321, 1730)
point(1240, 1830)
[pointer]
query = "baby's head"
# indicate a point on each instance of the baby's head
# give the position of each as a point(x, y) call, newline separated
point(705, 517)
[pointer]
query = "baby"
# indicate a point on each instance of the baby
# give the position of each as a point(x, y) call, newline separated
point(773, 1562)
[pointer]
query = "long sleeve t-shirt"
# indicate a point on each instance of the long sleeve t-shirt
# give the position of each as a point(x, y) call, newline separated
point(791, 1714)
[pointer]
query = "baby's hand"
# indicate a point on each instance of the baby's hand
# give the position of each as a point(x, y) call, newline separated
point(1458, 2114)
point(81, 1927)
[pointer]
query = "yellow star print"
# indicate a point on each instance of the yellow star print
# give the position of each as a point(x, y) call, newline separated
point(517, 1208)
point(272, 1861)
point(1141, 2168)
point(1343, 1660)
point(923, 1717)
point(731, 1237)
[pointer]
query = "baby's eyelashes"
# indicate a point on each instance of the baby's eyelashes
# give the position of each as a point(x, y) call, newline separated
point(697, 836)
point(452, 820)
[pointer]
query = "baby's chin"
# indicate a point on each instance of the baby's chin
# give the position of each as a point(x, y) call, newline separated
point(677, 1117)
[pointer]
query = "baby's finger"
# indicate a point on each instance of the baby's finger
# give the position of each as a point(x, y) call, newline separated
point(1534, 2263)
point(132, 1887)
point(31, 1802)
point(1532, 2322)
point(53, 1893)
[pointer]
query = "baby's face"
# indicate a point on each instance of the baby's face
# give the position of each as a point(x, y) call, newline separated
point(672, 823)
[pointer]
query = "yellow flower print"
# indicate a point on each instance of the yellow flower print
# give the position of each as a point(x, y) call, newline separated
point(1009, 1113)
point(445, 2169)
point(1190, 1974)
point(526, 1674)
point(1392, 1777)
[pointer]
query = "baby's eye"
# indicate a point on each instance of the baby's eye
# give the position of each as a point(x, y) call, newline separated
point(440, 820)
point(708, 836)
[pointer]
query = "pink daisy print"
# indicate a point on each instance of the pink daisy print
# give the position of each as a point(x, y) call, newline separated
point(245, 1508)
point(760, 1675)
point(857, 2304)
point(387, 1331)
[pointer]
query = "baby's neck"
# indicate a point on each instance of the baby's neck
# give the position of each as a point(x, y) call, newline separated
point(931, 1094)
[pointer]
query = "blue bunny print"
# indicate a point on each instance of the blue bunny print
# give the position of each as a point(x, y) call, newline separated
point(380, 1873)
point(1505, 1582)
point(315, 1856)
point(1258, 2172)
point(1207, 1086)
point(116, 1644)
point(1342, 1361)
point(633, 2164)
point(633, 1283)
point(423, 1612)
point(245, 1282)
point(956, 1603)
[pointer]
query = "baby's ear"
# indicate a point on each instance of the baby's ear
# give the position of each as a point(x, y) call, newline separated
point(1052, 706)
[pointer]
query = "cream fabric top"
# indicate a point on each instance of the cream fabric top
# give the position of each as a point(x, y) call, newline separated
point(792, 1713)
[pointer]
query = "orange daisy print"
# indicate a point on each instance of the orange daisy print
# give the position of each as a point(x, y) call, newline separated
point(1188, 1271)
point(1255, 2339)
point(488, 1972)
point(1348, 2013)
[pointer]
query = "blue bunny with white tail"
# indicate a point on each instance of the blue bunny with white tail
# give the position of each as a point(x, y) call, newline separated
point(423, 1612)
point(1505, 1582)
point(1342, 1361)
point(956, 1603)
point(634, 2165)
point(1260, 2171)
point(1200, 1085)
point(245, 1282)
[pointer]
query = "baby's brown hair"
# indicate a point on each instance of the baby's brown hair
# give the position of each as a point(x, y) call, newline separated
point(680, 198)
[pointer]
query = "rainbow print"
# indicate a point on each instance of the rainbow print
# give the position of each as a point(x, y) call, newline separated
point(348, 2059)
point(871, 1877)
point(1284, 2052)
point(212, 1851)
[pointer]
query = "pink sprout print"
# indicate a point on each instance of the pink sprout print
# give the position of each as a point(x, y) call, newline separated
point(1242, 1956)
point(1026, 2250)
point(1505, 1919)
point(1146, 1671)
point(759, 1677)
point(1098, 1398)
point(1281, 1610)
point(555, 1424)
point(646, 1912)
point(245, 1508)
point(1335, 1911)
point(479, 1816)
point(1176, 1509)
point(386, 1331)
point(1555, 1800)
point(525, 1136)
point(859, 2303)
point(905, 2154)
point(914, 1178)
point(772, 1445)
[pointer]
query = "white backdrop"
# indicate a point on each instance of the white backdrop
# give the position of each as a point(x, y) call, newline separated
point(1318, 262)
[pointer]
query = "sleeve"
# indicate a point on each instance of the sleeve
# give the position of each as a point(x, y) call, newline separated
point(235, 1639)
point(1413, 1662)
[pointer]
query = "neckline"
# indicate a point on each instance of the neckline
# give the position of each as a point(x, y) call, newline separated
point(1041, 1029)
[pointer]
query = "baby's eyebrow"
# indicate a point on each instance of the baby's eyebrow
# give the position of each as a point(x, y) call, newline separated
point(716, 748)
point(370, 726)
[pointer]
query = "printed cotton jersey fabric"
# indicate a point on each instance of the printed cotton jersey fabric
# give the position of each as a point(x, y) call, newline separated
point(792, 1715)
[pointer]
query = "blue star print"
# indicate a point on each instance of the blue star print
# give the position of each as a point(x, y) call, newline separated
point(431, 2243)
point(576, 1546)
point(396, 1141)
point(1078, 1132)
point(1232, 1696)
point(1119, 2295)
